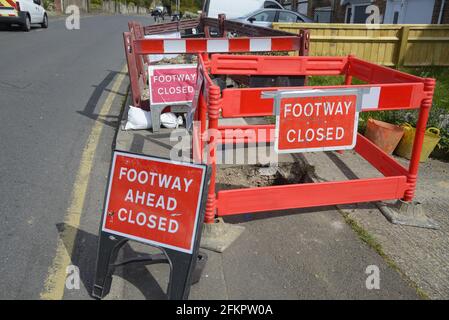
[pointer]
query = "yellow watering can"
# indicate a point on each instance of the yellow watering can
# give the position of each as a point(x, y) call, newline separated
point(431, 139)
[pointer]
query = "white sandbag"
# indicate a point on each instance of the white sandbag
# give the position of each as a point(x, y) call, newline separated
point(170, 121)
point(138, 119)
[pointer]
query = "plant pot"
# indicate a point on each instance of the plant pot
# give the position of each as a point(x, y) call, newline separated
point(405, 147)
point(384, 135)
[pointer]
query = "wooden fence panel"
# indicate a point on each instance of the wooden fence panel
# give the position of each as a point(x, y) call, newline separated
point(386, 44)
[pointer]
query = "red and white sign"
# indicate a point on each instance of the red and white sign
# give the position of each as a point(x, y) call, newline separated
point(155, 201)
point(316, 123)
point(172, 84)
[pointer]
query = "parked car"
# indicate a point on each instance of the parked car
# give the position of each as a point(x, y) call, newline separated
point(23, 13)
point(161, 9)
point(236, 8)
point(266, 17)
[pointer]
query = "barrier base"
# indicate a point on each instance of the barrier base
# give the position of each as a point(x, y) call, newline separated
point(156, 111)
point(108, 262)
point(408, 214)
point(220, 235)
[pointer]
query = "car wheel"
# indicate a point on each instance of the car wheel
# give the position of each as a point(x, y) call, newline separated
point(44, 23)
point(27, 24)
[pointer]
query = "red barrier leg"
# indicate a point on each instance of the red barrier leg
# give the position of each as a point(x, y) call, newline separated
point(132, 68)
point(348, 82)
point(203, 122)
point(426, 104)
point(348, 74)
point(214, 112)
point(348, 79)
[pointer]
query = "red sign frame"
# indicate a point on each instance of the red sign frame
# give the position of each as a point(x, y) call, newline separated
point(177, 84)
point(155, 201)
point(316, 121)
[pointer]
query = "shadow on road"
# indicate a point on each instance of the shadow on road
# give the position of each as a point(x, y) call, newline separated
point(16, 28)
point(84, 257)
point(89, 109)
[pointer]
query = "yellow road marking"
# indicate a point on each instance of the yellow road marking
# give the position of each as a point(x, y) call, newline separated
point(55, 282)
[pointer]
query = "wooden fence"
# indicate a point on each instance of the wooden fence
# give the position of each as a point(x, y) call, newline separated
point(387, 44)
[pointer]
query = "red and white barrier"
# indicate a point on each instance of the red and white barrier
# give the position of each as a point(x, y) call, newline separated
point(162, 46)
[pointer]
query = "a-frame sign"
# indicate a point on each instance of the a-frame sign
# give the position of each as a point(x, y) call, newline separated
point(158, 202)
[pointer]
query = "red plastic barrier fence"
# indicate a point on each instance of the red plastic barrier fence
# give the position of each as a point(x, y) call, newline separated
point(385, 89)
point(137, 49)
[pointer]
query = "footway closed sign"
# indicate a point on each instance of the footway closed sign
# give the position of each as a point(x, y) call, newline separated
point(153, 200)
point(316, 120)
point(172, 84)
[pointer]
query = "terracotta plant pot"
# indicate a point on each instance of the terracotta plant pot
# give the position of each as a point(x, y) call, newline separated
point(384, 135)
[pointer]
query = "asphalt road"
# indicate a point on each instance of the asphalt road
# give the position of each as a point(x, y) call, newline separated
point(51, 83)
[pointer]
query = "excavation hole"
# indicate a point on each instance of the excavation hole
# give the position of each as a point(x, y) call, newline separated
point(247, 176)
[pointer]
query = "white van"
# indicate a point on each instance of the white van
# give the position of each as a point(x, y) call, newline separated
point(23, 13)
point(236, 8)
